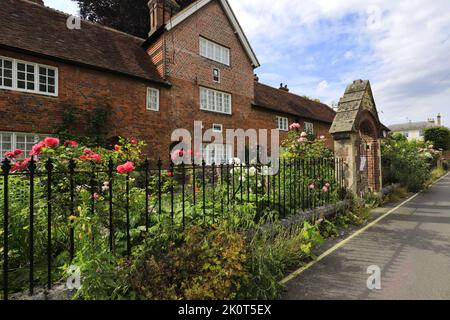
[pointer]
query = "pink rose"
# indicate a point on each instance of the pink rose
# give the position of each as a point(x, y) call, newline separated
point(71, 144)
point(96, 157)
point(50, 142)
point(37, 149)
point(10, 155)
point(325, 189)
point(294, 126)
point(312, 186)
point(126, 168)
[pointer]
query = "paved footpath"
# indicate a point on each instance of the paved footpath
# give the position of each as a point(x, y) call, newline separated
point(411, 246)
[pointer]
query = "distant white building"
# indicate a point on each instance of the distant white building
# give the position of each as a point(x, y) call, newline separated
point(415, 130)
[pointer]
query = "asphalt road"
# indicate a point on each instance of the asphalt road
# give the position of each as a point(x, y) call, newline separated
point(411, 246)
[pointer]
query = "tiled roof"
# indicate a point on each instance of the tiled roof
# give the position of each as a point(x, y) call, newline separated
point(37, 29)
point(282, 101)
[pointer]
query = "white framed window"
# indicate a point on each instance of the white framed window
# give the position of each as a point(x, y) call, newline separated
point(216, 75)
point(26, 76)
point(47, 80)
point(215, 101)
point(217, 153)
point(309, 127)
point(6, 73)
point(283, 123)
point(152, 99)
point(214, 51)
point(10, 141)
point(218, 128)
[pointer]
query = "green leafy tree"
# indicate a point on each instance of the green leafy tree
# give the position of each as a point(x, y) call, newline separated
point(128, 16)
point(439, 136)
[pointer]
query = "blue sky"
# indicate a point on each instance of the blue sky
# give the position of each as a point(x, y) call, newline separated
point(318, 47)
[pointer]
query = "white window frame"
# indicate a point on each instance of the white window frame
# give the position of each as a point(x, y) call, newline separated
point(283, 123)
point(218, 99)
point(214, 51)
point(217, 153)
point(309, 127)
point(37, 138)
point(148, 106)
point(36, 77)
point(216, 126)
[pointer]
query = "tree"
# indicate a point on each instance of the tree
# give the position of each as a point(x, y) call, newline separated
point(312, 99)
point(131, 17)
point(439, 136)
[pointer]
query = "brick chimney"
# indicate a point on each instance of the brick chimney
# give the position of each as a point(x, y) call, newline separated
point(160, 12)
point(41, 2)
point(284, 87)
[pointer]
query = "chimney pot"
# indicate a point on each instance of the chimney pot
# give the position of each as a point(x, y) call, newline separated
point(284, 87)
point(160, 12)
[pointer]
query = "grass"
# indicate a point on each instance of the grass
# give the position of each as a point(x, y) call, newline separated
point(437, 173)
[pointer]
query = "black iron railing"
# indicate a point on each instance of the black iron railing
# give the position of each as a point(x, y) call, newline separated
point(42, 205)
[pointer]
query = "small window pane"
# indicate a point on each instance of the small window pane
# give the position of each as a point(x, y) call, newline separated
point(152, 99)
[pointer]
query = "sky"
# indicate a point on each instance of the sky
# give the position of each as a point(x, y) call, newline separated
point(318, 47)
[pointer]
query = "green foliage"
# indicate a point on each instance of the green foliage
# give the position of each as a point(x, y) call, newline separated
point(407, 162)
point(373, 200)
point(446, 165)
point(300, 146)
point(91, 121)
point(209, 263)
point(439, 136)
point(396, 195)
point(273, 252)
point(131, 17)
point(356, 214)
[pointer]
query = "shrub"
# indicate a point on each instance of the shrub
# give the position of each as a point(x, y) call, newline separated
point(439, 136)
point(209, 263)
point(446, 165)
point(273, 252)
point(408, 163)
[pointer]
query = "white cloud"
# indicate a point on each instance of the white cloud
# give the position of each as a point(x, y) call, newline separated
point(402, 47)
point(407, 61)
point(322, 86)
point(348, 55)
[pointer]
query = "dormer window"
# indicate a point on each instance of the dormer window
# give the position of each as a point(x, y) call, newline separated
point(214, 51)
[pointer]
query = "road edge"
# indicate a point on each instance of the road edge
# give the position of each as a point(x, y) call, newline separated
point(339, 245)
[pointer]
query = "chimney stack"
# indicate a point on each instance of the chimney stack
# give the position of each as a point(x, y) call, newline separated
point(431, 120)
point(284, 87)
point(439, 120)
point(161, 11)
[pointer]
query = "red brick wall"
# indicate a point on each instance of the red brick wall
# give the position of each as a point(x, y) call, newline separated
point(83, 88)
point(187, 71)
point(176, 54)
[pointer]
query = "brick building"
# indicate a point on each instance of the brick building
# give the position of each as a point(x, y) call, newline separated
point(196, 64)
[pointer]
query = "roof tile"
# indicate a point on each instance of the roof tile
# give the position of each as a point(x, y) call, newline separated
point(38, 29)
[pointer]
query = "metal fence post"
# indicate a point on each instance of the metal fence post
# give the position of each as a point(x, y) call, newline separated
point(6, 166)
point(49, 168)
